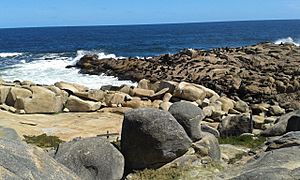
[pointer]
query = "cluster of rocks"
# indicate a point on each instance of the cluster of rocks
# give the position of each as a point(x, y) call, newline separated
point(151, 138)
point(263, 73)
point(231, 116)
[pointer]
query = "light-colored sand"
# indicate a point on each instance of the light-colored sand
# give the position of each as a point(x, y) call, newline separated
point(66, 126)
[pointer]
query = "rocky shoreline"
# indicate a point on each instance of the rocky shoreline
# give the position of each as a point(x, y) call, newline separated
point(261, 73)
point(183, 105)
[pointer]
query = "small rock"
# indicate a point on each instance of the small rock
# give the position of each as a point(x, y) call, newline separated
point(165, 106)
point(241, 106)
point(276, 110)
point(75, 104)
point(235, 125)
point(141, 92)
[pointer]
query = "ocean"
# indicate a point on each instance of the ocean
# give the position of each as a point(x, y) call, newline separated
point(41, 54)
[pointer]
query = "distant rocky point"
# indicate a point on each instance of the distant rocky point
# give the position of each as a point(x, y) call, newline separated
point(264, 72)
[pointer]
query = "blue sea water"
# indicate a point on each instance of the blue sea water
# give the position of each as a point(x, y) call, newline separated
point(41, 54)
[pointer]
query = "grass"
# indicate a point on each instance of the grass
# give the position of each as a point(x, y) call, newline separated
point(237, 158)
point(246, 141)
point(43, 140)
point(161, 174)
point(206, 171)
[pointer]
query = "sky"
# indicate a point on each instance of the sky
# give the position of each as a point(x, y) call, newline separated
point(36, 13)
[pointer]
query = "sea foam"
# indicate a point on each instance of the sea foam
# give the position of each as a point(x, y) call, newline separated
point(6, 55)
point(51, 68)
point(287, 40)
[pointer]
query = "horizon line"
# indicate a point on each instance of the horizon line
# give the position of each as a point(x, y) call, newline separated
point(146, 24)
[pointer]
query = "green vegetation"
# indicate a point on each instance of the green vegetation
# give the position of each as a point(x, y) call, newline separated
point(162, 174)
point(237, 158)
point(246, 141)
point(204, 171)
point(43, 140)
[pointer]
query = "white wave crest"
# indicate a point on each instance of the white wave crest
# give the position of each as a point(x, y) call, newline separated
point(6, 55)
point(51, 68)
point(101, 55)
point(287, 40)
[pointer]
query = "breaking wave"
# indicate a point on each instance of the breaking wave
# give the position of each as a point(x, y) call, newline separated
point(7, 55)
point(287, 40)
point(51, 67)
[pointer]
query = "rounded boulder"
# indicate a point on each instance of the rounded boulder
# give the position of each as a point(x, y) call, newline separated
point(152, 138)
point(189, 117)
point(92, 158)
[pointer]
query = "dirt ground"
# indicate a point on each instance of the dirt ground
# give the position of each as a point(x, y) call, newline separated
point(66, 126)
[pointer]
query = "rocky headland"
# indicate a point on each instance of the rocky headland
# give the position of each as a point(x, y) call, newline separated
point(230, 113)
point(260, 73)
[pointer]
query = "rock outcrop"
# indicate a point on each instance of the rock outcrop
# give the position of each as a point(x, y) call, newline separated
point(285, 123)
point(258, 73)
point(280, 161)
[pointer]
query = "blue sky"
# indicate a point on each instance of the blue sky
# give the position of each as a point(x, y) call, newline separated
point(27, 13)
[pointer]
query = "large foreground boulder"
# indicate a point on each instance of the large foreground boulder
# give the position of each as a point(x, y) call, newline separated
point(286, 123)
point(21, 161)
point(92, 158)
point(152, 138)
point(189, 117)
